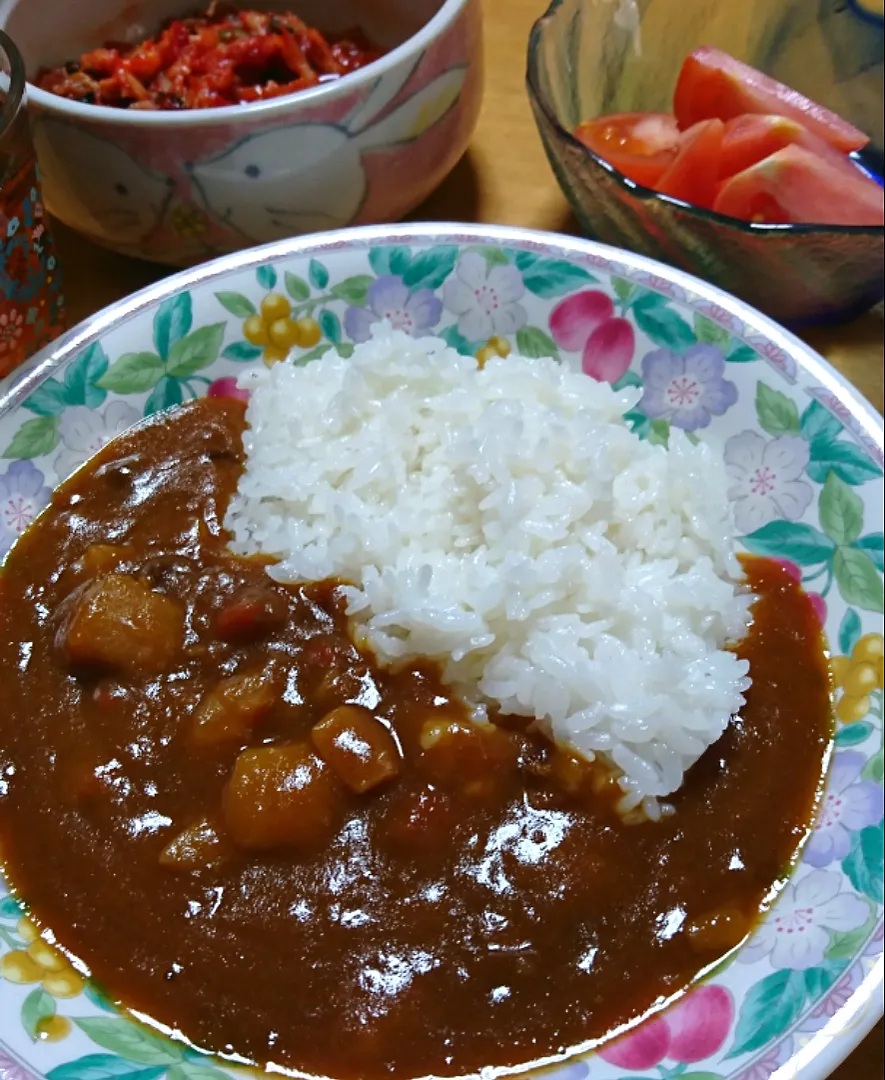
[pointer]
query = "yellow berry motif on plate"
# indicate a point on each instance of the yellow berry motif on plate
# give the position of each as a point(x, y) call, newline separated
point(859, 677)
point(53, 1028)
point(276, 332)
point(39, 962)
point(495, 346)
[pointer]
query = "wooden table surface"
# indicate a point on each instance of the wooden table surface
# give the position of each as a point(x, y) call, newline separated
point(504, 178)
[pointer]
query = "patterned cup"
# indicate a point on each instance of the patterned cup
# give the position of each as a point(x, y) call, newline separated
point(31, 304)
point(587, 58)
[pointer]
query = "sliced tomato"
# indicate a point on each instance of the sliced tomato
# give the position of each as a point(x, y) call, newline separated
point(639, 145)
point(750, 138)
point(694, 174)
point(714, 84)
point(794, 185)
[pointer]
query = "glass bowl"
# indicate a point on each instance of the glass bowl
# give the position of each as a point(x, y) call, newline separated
point(587, 58)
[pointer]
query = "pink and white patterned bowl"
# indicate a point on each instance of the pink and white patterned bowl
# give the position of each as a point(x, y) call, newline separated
point(182, 187)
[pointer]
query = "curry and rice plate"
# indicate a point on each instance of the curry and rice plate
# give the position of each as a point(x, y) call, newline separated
point(435, 682)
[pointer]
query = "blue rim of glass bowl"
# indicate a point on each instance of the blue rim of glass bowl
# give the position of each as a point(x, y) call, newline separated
point(639, 191)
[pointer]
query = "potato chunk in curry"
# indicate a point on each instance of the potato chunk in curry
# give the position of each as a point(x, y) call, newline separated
point(198, 847)
point(119, 622)
point(230, 710)
point(357, 746)
point(280, 796)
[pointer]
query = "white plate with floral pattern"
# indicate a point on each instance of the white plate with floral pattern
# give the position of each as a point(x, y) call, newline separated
point(805, 457)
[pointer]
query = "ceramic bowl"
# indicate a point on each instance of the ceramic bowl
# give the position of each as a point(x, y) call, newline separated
point(805, 455)
point(181, 187)
point(587, 58)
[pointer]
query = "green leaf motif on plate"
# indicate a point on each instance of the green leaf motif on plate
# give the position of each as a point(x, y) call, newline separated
point(129, 1040)
point(104, 1067)
point(777, 413)
point(659, 433)
point(242, 351)
point(742, 354)
point(840, 510)
point(494, 256)
point(858, 580)
point(317, 274)
point(874, 545)
point(98, 997)
point(768, 1009)
point(661, 324)
point(390, 259)
point(35, 438)
point(639, 423)
point(10, 908)
point(793, 540)
point(845, 459)
point(172, 322)
point(865, 862)
point(133, 373)
point(875, 768)
point(854, 734)
point(37, 1006)
point(698, 1076)
point(452, 336)
point(710, 333)
point(624, 289)
point(83, 375)
point(818, 425)
point(196, 351)
point(819, 979)
point(49, 399)
point(296, 287)
point(849, 631)
point(353, 290)
point(846, 945)
point(313, 354)
point(533, 342)
point(241, 307)
point(164, 395)
point(266, 277)
point(630, 378)
point(330, 325)
point(196, 1070)
point(550, 278)
point(429, 269)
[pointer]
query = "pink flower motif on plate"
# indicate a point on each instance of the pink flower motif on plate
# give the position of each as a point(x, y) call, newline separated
point(766, 479)
point(796, 932)
point(484, 298)
point(849, 804)
point(687, 390)
point(388, 298)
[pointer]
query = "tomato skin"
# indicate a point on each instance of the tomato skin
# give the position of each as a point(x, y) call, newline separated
point(640, 145)
point(714, 84)
point(751, 137)
point(694, 174)
point(794, 185)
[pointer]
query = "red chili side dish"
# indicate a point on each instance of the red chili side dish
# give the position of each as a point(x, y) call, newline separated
point(211, 60)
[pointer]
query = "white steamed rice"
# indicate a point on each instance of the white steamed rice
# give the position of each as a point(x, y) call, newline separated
point(507, 523)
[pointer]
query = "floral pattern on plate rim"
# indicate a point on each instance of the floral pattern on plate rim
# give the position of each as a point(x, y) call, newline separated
point(802, 472)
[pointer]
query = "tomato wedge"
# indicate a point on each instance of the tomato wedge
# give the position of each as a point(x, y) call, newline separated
point(714, 84)
point(694, 174)
point(750, 138)
point(639, 145)
point(794, 185)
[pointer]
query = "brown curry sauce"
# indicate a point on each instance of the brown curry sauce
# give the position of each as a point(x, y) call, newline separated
point(478, 903)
